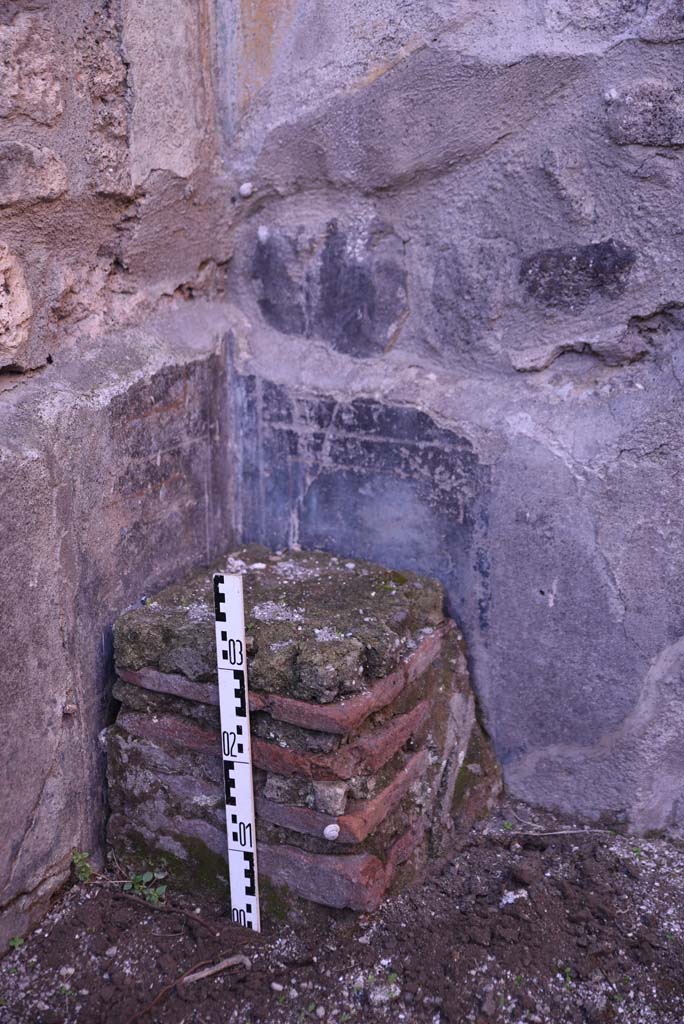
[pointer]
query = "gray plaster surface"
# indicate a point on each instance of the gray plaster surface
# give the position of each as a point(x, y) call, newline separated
point(551, 513)
point(495, 399)
point(114, 471)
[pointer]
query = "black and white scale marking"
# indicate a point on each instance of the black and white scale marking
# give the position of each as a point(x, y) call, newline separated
point(236, 747)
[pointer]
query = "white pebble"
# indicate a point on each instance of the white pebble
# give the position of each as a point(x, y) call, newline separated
point(276, 986)
point(66, 972)
point(263, 234)
point(320, 1012)
point(246, 189)
point(331, 831)
point(350, 565)
point(112, 951)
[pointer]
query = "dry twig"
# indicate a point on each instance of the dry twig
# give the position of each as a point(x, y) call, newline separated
point(239, 960)
point(565, 832)
point(194, 973)
point(164, 909)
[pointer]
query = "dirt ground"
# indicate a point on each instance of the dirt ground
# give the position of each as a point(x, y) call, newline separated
point(518, 926)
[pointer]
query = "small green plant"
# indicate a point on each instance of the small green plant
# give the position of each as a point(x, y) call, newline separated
point(508, 825)
point(392, 977)
point(143, 885)
point(16, 942)
point(64, 990)
point(518, 979)
point(83, 869)
point(567, 974)
point(638, 852)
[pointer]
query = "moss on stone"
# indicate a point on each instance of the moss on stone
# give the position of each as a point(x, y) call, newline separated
point(202, 871)
point(478, 782)
point(276, 902)
point(320, 628)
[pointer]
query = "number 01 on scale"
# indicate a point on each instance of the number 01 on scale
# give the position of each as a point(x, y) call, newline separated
point(236, 749)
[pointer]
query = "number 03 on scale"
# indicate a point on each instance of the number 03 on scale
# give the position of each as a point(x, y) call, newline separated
point(236, 749)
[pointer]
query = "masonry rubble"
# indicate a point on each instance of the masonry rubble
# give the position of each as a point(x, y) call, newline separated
point(362, 718)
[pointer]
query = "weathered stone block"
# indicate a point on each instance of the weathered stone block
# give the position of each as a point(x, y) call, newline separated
point(29, 79)
point(329, 797)
point(29, 174)
point(102, 81)
point(162, 41)
point(360, 623)
point(15, 311)
point(647, 113)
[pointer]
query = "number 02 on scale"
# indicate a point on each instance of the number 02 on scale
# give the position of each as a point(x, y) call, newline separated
point(236, 749)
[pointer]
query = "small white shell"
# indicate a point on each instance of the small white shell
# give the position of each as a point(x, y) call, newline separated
point(331, 831)
point(246, 189)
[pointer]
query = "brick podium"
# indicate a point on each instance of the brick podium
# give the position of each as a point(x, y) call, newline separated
point(362, 717)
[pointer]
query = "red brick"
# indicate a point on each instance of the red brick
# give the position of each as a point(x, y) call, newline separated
point(346, 716)
point(363, 819)
point(170, 730)
point(365, 757)
point(339, 719)
point(175, 685)
point(357, 882)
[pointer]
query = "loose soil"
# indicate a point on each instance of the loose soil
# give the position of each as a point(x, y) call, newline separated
point(516, 927)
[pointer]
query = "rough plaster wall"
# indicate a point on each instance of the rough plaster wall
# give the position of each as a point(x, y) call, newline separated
point(454, 298)
point(113, 481)
point(458, 331)
point(114, 217)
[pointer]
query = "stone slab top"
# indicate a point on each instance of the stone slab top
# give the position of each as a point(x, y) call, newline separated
point(319, 628)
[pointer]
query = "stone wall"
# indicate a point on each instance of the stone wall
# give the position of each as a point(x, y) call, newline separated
point(114, 427)
point(444, 241)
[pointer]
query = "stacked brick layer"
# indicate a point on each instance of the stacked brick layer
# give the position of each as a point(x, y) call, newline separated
point(362, 716)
